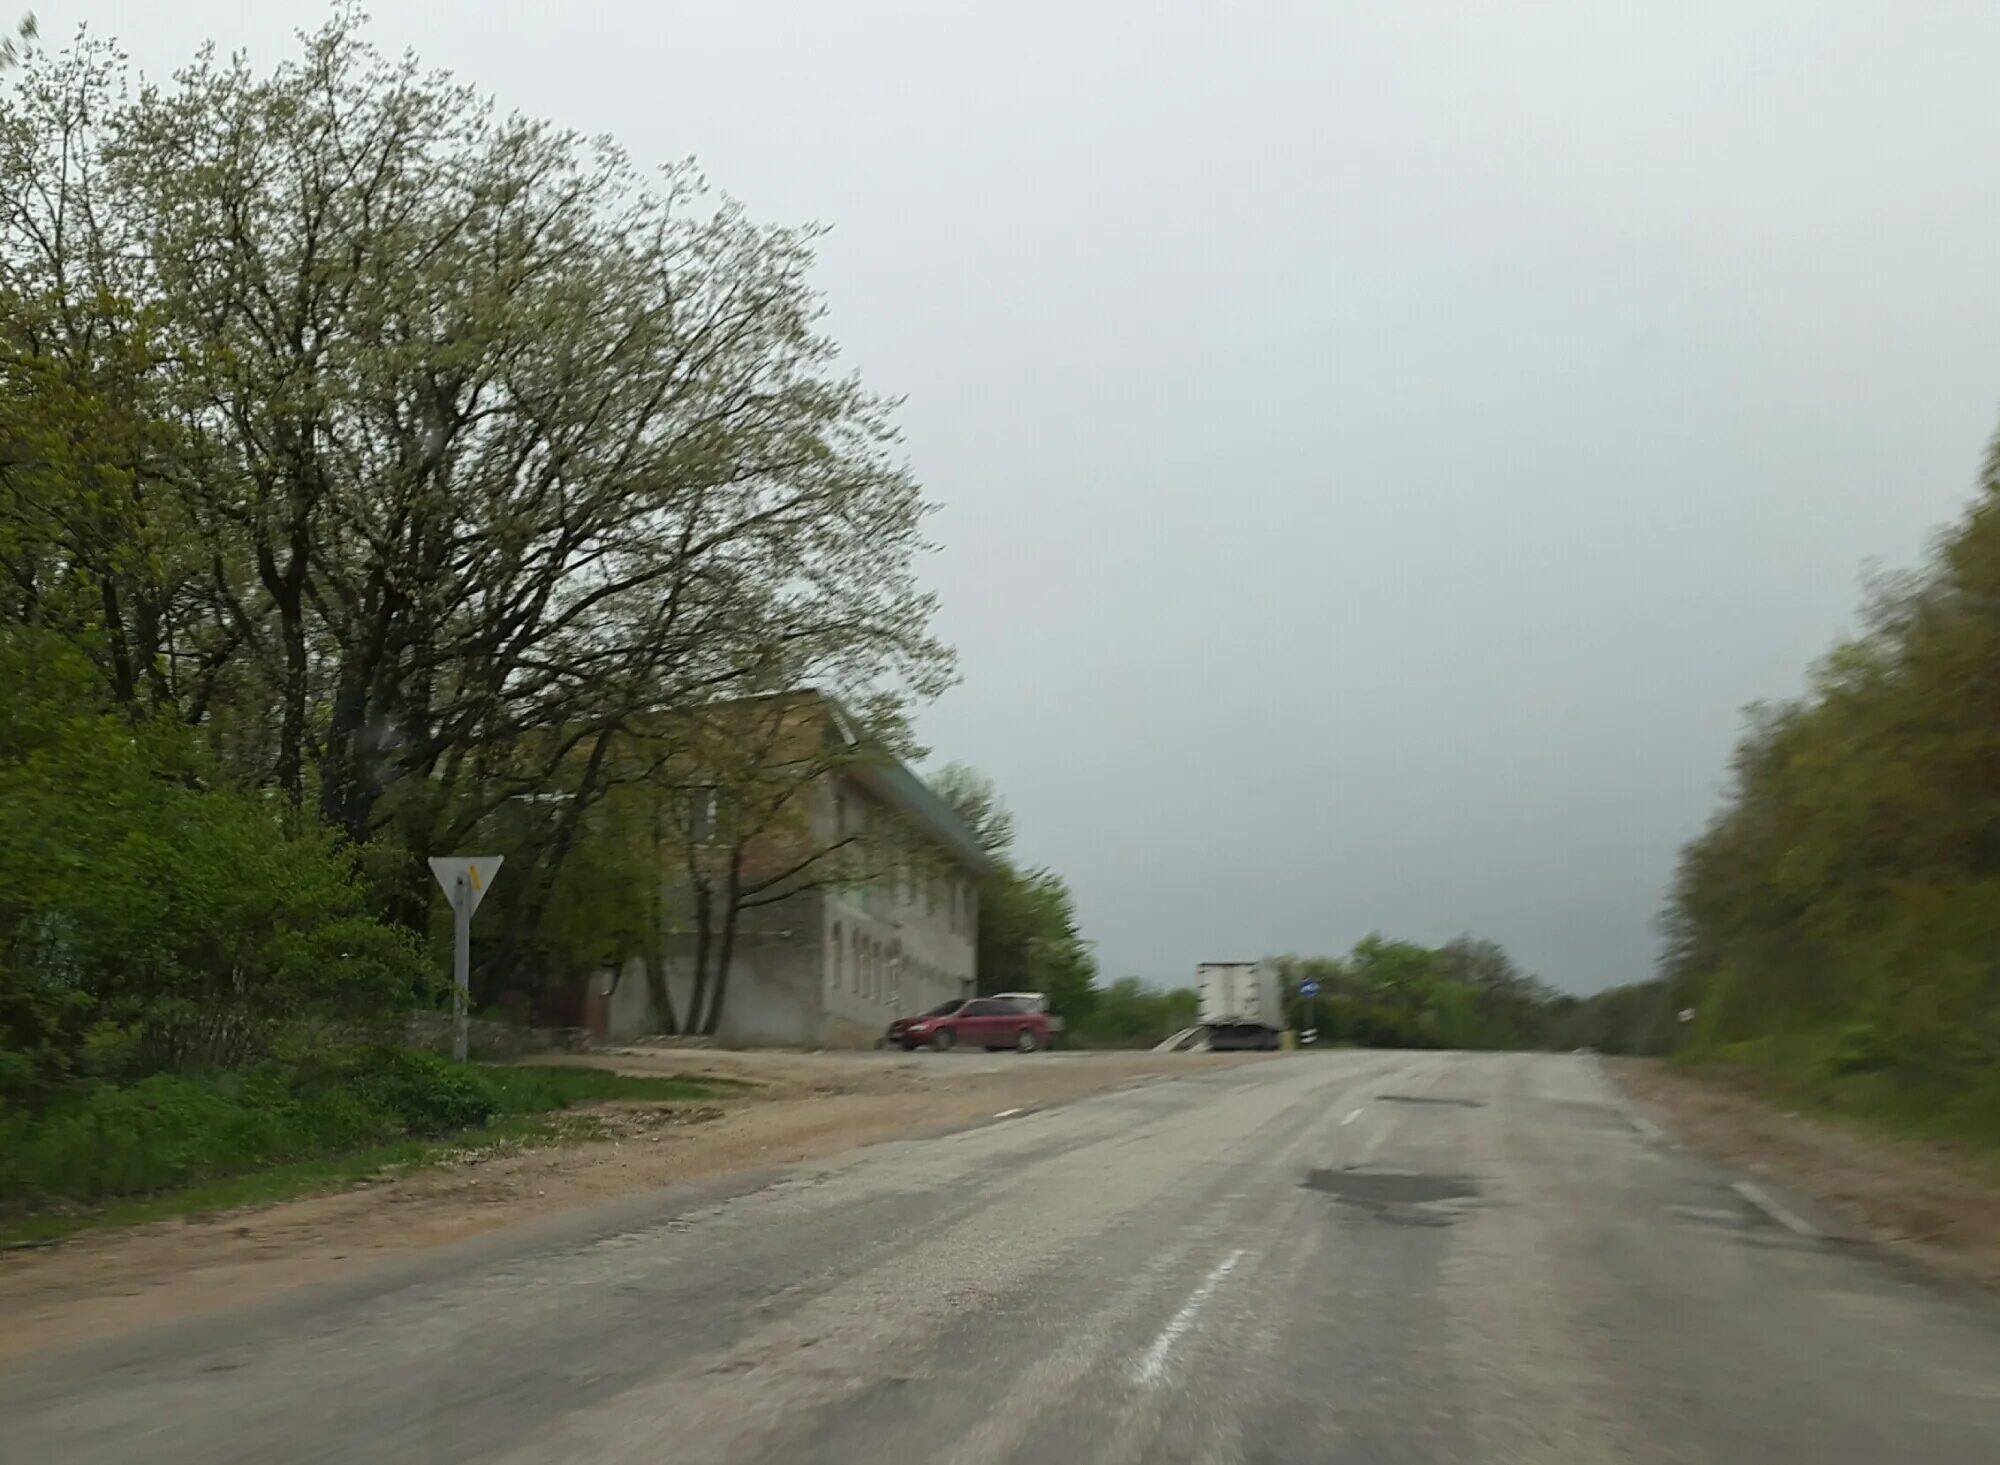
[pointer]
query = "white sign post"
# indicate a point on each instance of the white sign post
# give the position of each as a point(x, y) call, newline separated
point(464, 878)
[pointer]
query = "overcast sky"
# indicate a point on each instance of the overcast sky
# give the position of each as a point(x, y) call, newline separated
point(1379, 446)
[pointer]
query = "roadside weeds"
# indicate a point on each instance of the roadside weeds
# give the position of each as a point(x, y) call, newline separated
point(523, 1107)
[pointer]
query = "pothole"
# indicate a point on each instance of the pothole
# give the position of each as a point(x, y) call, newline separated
point(1737, 1220)
point(1402, 1197)
point(1431, 1099)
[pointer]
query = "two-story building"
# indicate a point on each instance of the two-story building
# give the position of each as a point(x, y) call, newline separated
point(882, 920)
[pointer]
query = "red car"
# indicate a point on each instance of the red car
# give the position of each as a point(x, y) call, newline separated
point(984, 1022)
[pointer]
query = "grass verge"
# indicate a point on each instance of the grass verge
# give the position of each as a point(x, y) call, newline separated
point(214, 1170)
point(295, 1179)
point(1806, 1072)
point(543, 1087)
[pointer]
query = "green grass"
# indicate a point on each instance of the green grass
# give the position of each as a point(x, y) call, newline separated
point(167, 1148)
point(1812, 1072)
point(539, 1088)
point(291, 1181)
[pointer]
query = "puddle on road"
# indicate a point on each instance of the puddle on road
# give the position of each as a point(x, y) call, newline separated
point(1401, 1197)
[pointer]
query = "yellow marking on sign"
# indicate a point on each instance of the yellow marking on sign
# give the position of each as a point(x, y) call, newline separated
point(472, 873)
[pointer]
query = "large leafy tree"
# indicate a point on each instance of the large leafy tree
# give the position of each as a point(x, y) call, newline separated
point(973, 796)
point(1841, 912)
point(148, 921)
point(1030, 940)
point(1467, 993)
point(419, 453)
point(13, 47)
point(1029, 936)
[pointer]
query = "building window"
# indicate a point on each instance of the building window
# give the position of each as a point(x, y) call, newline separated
point(706, 813)
point(833, 959)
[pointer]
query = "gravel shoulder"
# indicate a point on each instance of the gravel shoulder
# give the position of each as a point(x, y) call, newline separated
point(794, 1107)
point(1927, 1203)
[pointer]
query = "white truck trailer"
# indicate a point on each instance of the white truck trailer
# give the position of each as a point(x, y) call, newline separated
point(1240, 1004)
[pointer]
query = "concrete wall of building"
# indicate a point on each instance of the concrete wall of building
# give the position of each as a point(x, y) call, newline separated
point(898, 943)
point(773, 997)
point(863, 986)
point(830, 967)
point(627, 1006)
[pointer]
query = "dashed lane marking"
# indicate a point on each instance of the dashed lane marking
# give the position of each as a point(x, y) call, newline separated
point(1152, 1366)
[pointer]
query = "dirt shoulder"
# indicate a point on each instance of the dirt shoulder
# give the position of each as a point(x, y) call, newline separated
point(802, 1106)
point(1930, 1204)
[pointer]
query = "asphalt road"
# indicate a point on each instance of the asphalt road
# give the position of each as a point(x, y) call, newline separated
point(1361, 1257)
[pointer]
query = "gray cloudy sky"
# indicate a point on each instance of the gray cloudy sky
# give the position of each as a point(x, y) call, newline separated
point(1379, 445)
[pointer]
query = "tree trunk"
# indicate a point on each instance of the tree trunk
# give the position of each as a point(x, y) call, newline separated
point(726, 947)
point(655, 952)
point(124, 686)
point(704, 916)
point(725, 954)
point(286, 588)
point(291, 767)
point(344, 799)
point(656, 988)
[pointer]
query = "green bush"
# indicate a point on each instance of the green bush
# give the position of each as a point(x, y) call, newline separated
point(1859, 1047)
point(1842, 910)
point(150, 922)
point(1129, 1014)
point(169, 1131)
point(165, 1132)
point(427, 1093)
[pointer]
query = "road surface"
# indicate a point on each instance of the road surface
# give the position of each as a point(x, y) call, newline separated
point(1357, 1257)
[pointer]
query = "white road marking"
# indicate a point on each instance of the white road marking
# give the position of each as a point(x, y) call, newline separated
point(1153, 1366)
point(1008, 1113)
point(1353, 1116)
point(1647, 1128)
point(1776, 1210)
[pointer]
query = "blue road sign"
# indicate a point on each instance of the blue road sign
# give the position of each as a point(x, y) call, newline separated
point(1309, 988)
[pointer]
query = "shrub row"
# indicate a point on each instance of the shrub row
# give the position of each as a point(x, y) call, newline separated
point(168, 1130)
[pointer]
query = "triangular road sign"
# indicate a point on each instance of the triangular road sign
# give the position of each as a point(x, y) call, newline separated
point(476, 870)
